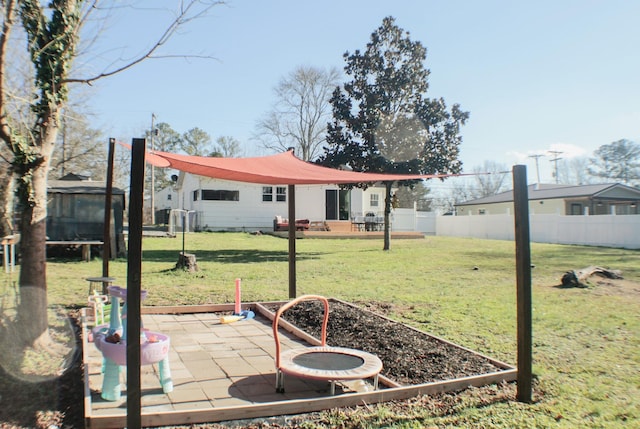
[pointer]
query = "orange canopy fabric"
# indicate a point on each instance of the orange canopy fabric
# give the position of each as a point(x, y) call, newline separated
point(280, 169)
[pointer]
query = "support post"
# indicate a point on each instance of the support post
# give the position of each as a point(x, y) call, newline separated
point(106, 231)
point(292, 240)
point(523, 278)
point(153, 174)
point(134, 272)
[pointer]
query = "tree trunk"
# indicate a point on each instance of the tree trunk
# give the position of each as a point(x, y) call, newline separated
point(32, 311)
point(387, 213)
point(187, 261)
point(6, 200)
point(580, 278)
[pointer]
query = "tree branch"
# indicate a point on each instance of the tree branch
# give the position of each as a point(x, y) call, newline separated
point(7, 26)
point(181, 19)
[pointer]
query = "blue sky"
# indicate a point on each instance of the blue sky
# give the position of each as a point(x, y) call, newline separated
point(536, 76)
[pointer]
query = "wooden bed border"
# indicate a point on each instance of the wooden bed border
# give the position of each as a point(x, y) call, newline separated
point(394, 391)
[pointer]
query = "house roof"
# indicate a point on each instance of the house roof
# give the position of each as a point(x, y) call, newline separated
point(67, 186)
point(555, 191)
point(280, 169)
point(74, 176)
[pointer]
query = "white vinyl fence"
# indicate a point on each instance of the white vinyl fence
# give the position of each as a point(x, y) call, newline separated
point(413, 220)
point(603, 230)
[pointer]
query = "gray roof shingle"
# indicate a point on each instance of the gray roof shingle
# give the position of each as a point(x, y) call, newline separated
point(550, 191)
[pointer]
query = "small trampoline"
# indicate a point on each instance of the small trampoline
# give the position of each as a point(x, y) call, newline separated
point(322, 362)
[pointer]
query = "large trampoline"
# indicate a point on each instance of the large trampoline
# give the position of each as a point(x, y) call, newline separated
point(322, 362)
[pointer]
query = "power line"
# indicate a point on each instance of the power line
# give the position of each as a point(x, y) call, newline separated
point(555, 160)
point(537, 156)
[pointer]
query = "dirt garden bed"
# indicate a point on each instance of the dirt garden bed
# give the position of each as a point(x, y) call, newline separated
point(409, 356)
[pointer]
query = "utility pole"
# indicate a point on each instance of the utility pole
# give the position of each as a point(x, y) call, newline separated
point(153, 174)
point(537, 156)
point(64, 140)
point(555, 160)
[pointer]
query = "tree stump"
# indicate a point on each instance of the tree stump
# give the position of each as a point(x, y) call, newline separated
point(578, 278)
point(187, 262)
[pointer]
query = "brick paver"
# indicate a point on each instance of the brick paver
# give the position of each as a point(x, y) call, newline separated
point(212, 365)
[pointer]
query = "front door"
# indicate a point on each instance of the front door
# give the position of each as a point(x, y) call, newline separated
point(337, 204)
point(331, 204)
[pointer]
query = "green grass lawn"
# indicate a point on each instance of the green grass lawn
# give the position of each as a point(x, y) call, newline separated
point(586, 341)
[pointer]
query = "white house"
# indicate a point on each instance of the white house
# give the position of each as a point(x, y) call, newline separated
point(216, 204)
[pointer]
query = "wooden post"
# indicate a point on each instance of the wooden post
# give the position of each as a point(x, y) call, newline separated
point(523, 278)
point(106, 231)
point(292, 240)
point(86, 253)
point(134, 272)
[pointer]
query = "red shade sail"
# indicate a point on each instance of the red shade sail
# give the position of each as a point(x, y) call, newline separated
point(280, 169)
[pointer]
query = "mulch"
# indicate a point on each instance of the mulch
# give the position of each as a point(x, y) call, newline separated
point(408, 356)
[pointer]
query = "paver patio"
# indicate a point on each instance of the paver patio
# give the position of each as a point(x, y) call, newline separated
point(212, 365)
point(227, 372)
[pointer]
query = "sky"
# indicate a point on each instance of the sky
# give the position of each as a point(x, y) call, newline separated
point(535, 76)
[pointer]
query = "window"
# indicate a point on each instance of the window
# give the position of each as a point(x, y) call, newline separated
point(267, 193)
point(576, 209)
point(195, 195)
point(169, 197)
point(373, 202)
point(281, 193)
point(220, 195)
point(482, 211)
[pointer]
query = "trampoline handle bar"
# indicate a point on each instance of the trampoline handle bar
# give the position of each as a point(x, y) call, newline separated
point(286, 306)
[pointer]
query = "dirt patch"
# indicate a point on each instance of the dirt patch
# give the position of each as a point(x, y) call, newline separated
point(57, 401)
point(620, 287)
point(408, 356)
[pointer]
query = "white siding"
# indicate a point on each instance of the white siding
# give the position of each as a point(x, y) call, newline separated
point(551, 206)
point(249, 212)
point(167, 198)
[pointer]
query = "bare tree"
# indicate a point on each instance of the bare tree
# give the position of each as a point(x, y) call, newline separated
point(53, 36)
point(618, 161)
point(491, 179)
point(301, 112)
point(416, 194)
point(456, 190)
point(227, 147)
point(80, 149)
point(575, 171)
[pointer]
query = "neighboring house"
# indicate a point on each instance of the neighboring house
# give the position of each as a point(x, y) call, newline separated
point(166, 200)
point(75, 210)
point(228, 205)
point(600, 199)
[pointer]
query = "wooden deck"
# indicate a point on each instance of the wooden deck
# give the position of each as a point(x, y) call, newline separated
point(362, 234)
point(345, 229)
point(85, 244)
point(349, 234)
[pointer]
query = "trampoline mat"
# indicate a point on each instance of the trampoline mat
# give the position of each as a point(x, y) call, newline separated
point(328, 361)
